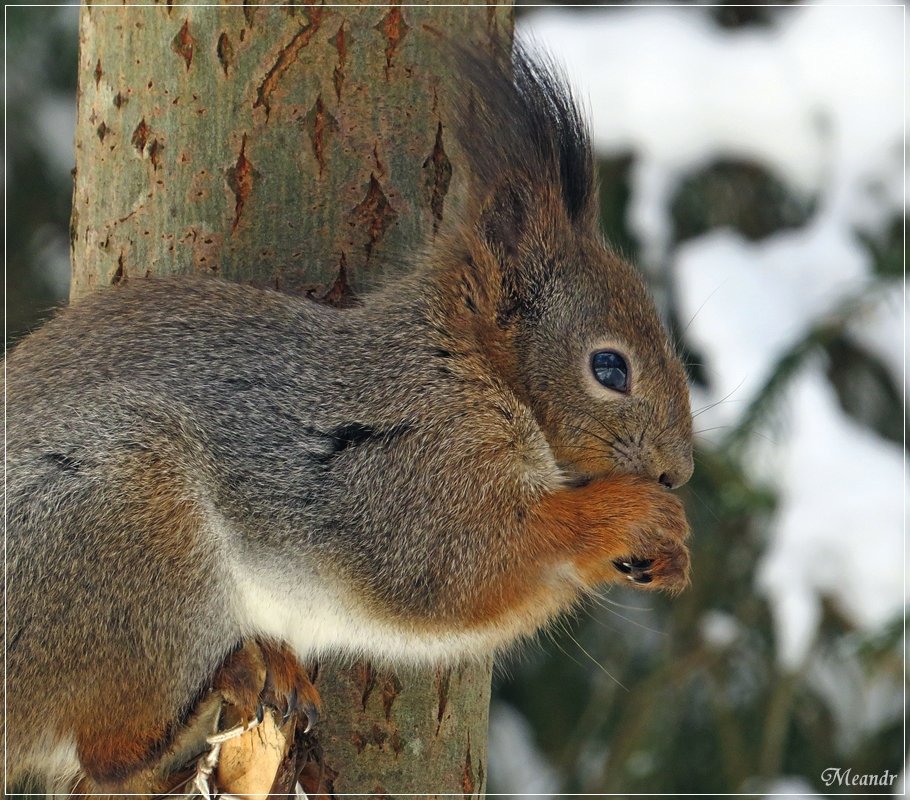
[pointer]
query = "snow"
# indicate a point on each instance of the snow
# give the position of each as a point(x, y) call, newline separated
point(880, 327)
point(838, 530)
point(817, 98)
point(515, 762)
point(719, 629)
point(750, 302)
point(675, 89)
point(861, 701)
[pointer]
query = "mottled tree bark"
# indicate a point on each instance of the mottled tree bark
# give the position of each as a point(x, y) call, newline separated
point(302, 148)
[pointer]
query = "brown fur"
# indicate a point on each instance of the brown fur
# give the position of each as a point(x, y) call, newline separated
point(124, 726)
point(194, 465)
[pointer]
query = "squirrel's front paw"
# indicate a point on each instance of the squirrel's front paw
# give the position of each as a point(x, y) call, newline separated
point(633, 530)
point(666, 568)
point(656, 531)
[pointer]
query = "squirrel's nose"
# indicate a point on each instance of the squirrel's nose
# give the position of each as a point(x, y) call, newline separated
point(672, 477)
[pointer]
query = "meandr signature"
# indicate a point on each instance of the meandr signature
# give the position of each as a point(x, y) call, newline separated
point(838, 776)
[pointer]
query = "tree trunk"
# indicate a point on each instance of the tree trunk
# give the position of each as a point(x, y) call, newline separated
point(305, 149)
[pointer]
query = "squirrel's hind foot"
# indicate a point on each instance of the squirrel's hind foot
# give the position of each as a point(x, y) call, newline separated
point(265, 674)
point(259, 686)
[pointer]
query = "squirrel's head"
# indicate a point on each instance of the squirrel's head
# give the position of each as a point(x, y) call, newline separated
point(569, 322)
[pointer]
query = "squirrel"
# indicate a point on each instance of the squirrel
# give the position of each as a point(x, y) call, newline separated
point(194, 465)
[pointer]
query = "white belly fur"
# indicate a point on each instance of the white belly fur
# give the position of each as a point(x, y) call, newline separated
point(316, 621)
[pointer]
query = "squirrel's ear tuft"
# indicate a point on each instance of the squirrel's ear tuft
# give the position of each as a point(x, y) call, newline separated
point(517, 121)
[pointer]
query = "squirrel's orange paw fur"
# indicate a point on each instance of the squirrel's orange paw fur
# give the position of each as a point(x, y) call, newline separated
point(622, 528)
point(657, 556)
point(643, 536)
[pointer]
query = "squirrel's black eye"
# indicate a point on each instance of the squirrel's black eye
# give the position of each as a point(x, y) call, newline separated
point(611, 370)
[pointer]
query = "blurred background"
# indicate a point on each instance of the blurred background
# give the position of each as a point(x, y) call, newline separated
point(752, 164)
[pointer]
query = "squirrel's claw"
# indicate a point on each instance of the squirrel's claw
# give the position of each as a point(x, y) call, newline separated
point(635, 569)
point(312, 716)
point(291, 705)
point(309, 709)
point(263, 674)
